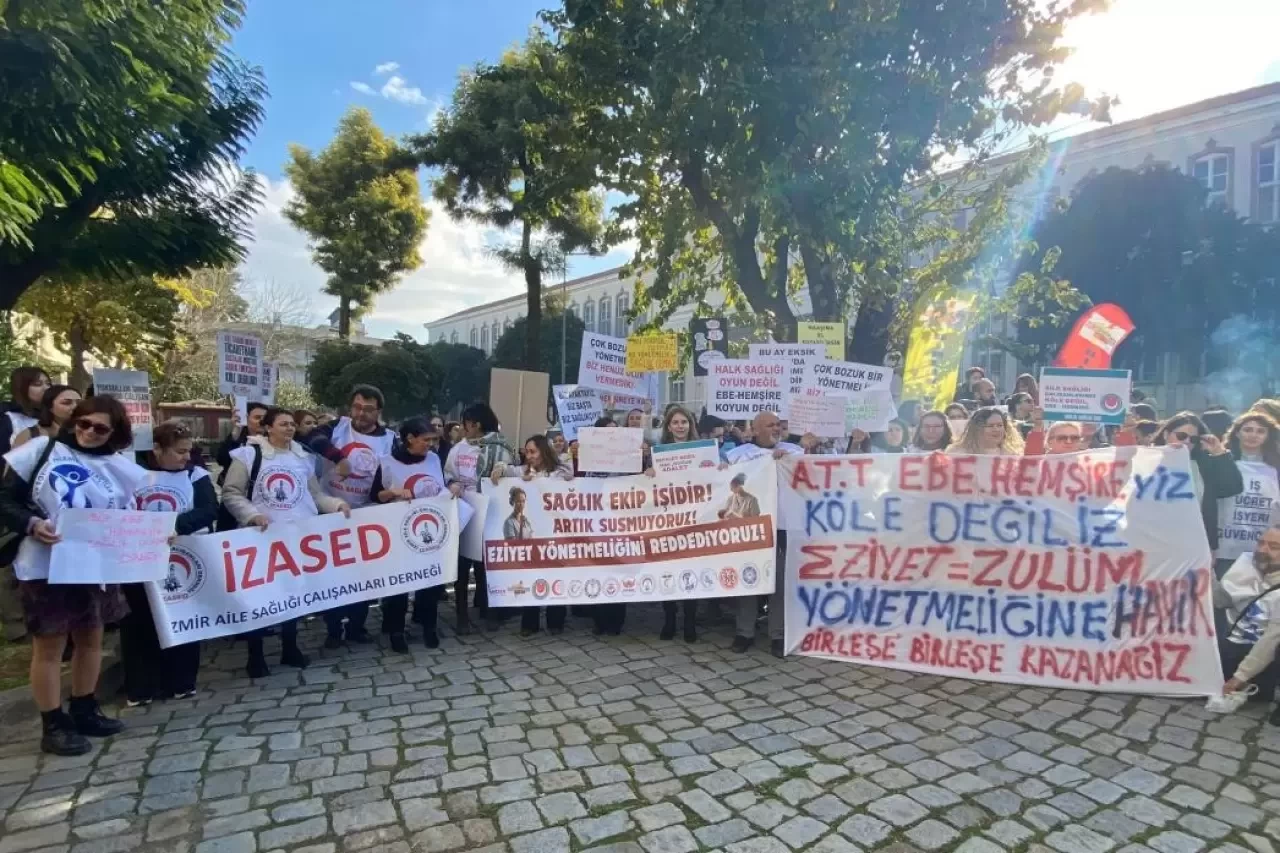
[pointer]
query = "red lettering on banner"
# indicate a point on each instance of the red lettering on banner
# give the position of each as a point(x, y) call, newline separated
point(1154, 661)
point(246, 581)
point(367, 550)
point(280, 560)
point(228, 568)
point(339, 544)
point(812, 570)
point(858, 645)
point(307, 546)
point(955, 653)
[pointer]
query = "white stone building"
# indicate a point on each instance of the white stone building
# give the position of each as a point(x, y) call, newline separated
point(1230, 143)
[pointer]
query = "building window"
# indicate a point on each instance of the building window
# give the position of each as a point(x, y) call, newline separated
point(1268, 182)
point(484, 339)
point(573, 308)
point(606, 315)
point(1213, 171)
point(475, 342)
point(453, 336)
point(497, 331)
point(506, 325)
point(677, 388)
point(589, 316)
point(620, 322)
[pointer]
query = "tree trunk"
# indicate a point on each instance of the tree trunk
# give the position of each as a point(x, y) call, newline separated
point(79, 376)
point(344, 318)
point(870, 340)
point(533, 302)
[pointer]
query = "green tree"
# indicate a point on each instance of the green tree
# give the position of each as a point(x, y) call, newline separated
point(463, 374)
point(121, 122)
point(401, 368)
point(563, 334)
point(18, 349)
point(360, 203)
point(515, 152)
point(769, 145)
point(187, 369)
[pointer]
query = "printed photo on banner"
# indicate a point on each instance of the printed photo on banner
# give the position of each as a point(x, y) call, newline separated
point(1077, 394)
point(707, 534)
point(576, 407)
point(797, 356)
point(822, 416)
point(611, 450)
point(1244, 518)
point(844, 378)
point(239, 364)
point(133, 389)
point(685, 456)
point(101, 546)
point(738, 389)
point(830, 335)
point(247, 579)
point(1086, 571)
point(869, 411)
point(653, 352)
point(603, 366)
point(710, 342)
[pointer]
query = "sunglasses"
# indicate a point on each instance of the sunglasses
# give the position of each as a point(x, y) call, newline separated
point(93, 427)
point(1067, 439)
point(1185, 436)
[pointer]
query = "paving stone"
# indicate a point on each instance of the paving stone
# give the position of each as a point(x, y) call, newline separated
point(547, 841)
point(800, 831)
point(294, 833)
point(672, 839)
point(865, 830)
point(931, 835)
point(518, 817)
point(594, 829)
point(898, 810)
point(562, 807)
point(721, 834)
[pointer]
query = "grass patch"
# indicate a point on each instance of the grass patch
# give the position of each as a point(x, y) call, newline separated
point(15, 664)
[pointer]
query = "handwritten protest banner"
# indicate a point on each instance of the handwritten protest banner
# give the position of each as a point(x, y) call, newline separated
point(270, 378)
point(822, 416)
point(239, 364)
point(844, 378)
point(685, 456)
point(111, 546)
point(644, 397)
point(739, 390)
point(246, 579)
point(611, 450)
point(710, 342)
point(133, 389)
point(652, 352)
point(797, 356)
point(577, 407)
point(1244, 518)
point(870, 411)
point(1087, 571)
point(1077, 394)
point(592, 541)
point(830, 335)
point(603, 365)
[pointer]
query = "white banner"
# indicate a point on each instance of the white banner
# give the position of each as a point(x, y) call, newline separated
point(576, 407)
point(603, 365)
point(685, 456)
point(597, 540)
point(1086, 571)
point(611, 450)
point(133, 389)
point(845, 378)
point(102, 546)
point(1244, 518)
point(870, 411)
point(738, 389)
point(1079, 394)
point(269, 379)
point(233, 582)
point(239, 364)
point(795, 356)
point(471, 545)
point(822, 416)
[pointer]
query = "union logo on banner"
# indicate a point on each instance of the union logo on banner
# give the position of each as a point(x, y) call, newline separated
point(186, 575)
point(425, 530)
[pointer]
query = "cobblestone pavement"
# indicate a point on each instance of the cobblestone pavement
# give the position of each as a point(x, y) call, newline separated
point(632, 745)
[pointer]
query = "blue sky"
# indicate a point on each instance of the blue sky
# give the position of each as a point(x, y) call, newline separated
point(401, 59)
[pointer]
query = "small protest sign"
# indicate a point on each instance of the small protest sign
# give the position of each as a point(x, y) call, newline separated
point(611, 450)
point(577, 407)
point(102, 546)
point(796, 356)
point(1078, 394)
point(739, 390)
point(239, 364)
point(844, 378)
point(653, 352)
point(603, 366)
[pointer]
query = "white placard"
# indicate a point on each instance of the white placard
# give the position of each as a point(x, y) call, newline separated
point(845, 378)
point(1078, 394)
point(738, 389)
point(101, 546)
point(822, 416)
point(685, 456)
point(1244, 518)
point(270, 379)
point(797, 356)
point(239, 364)
point(133, 389)
point(611, 450)
point(471, 543)
point(576, 407)
point(870, 411)
point(603, 364)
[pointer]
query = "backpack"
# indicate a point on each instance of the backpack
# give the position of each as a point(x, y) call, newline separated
point(227, 521)
point(11, 539)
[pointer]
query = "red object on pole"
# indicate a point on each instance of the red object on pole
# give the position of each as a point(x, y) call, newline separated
point(1094, 338)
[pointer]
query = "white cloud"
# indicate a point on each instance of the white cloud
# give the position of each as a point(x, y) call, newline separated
point(396, 89)
point(363, 88)
point(386, 68)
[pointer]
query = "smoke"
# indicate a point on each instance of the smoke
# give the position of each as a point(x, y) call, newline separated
point(1253, 363)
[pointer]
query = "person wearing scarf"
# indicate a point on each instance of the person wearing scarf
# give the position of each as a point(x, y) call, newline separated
point(83, 467)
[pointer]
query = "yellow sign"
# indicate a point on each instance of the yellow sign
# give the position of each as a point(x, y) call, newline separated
point(652, 353)
point(830, 335)
point(933, 353)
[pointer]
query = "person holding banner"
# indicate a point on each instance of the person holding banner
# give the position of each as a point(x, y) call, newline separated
point(1214, 474)
point(175, 485)
point(1250, 594)
point(410, 472)
point(83, 467)
point(351, 448)
point(677, 427)
point(56, 406)
point(990, 432)
point(932, 434)
point(274, 480)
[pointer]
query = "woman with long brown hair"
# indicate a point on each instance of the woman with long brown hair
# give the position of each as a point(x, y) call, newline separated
point(679, 425)
point(1255, 437)
point(990, 432)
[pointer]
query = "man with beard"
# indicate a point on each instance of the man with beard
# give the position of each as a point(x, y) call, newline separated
point(1250, 592)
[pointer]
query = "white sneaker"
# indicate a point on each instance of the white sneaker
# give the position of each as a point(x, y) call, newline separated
point(1229, 703)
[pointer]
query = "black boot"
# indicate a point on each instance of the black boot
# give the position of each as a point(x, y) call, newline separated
point(398, 644)
point(291, 655)
point(60, 736)
point(668, 627)
point(89, 719)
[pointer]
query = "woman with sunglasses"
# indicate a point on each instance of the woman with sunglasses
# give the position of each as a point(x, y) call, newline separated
point(175, 485)
point(272, 479)
point(1214, 474)
point(83, 467)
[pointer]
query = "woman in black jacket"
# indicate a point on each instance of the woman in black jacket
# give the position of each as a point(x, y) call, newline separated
point(1214, 473)
point(175, 485)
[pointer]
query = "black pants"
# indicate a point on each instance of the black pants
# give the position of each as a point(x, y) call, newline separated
point(556, 614)
point(151, 672)
point(609, 617)
point(395, 608)
point(288, 638)
point(1233, 653)
point(481, 603)
point(690, 611)
point(355, 614)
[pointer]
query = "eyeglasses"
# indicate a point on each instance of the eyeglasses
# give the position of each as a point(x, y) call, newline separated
point(1185, 436)
point(367, 409)
point(93, 427)
point(1067, 439)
